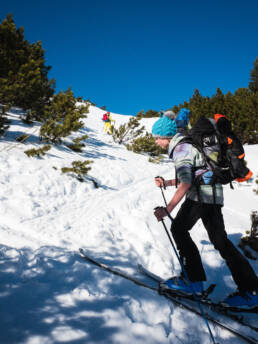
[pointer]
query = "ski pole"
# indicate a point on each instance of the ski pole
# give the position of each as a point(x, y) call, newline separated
point(184, 271)
point(162, 189)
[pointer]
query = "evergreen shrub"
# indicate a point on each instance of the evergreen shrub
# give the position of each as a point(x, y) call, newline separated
point(62, 117)
point(38, 152)
point(127, 131)
point(77, 144)
point(146, 144)
point(253, 84)
point(4, 121)
point(79, 169)
point(251, 239)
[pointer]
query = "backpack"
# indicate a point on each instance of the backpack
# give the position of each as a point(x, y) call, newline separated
point(221, 149)
point(105, 118)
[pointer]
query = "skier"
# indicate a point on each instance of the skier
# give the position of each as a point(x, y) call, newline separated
point(187, 159)
point(107, 119)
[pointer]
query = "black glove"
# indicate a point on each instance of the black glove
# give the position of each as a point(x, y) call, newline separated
point(160, 213)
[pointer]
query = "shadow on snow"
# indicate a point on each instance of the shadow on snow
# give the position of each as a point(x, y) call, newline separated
point(52, 294)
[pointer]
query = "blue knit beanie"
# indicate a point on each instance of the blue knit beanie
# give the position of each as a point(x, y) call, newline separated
point(182, 118)
point(165, 126)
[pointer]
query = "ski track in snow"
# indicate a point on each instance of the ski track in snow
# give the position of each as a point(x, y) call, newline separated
point(48, 294)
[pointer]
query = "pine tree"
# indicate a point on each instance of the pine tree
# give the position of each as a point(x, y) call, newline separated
point(129, 130)
point(62, 117)
point(151, 113)
point(146, 144)
point(240, 108)
point(199, 106)
point(253, 84)
point(217, 102)
point(4, 121)
point(243, 115)
point(23, 73)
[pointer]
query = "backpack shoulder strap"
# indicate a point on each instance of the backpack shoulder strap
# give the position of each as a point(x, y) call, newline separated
point(186, 139)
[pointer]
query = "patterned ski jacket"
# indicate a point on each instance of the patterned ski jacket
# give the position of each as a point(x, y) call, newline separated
point(187, 159)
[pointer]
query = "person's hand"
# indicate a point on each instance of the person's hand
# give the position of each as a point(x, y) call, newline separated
point(160, 182)
point(160, 213)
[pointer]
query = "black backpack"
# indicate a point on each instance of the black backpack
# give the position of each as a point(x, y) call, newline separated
point(222, 151)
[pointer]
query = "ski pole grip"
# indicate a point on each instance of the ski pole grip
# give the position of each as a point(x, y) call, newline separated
point(164, 186)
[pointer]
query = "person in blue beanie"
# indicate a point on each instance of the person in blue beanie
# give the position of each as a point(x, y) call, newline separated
point(168, 131)
point(182, 120)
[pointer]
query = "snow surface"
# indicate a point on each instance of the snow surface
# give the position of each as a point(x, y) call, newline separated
point(49, 294)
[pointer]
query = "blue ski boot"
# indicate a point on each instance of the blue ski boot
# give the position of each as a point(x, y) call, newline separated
point(244, 300)
point(179, 285)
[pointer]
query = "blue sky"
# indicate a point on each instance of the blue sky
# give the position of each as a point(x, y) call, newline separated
point(145, 54)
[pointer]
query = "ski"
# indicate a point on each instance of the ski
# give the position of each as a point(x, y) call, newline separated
point(217, 307)
point(176, 301)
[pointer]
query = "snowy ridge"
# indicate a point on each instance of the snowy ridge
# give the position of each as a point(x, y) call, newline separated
point(47, 293)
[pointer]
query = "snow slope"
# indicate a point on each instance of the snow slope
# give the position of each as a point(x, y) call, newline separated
point(48, 294)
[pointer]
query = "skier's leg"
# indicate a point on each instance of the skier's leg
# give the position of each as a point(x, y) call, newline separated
point(109, 127)
point(187, 216)
point(241, 270)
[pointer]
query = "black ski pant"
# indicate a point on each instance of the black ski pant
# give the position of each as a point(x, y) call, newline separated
point(212, 218)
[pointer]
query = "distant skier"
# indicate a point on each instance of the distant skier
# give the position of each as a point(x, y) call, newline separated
point(107, 119)
point(187, 159)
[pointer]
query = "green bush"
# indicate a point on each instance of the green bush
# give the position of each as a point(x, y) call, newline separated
point(256, 189)
point(38, 152)
point(62, 117)
point(128, 131)
point(4, 121)
point(79, 168)
point(251, 239)
point(146, 144)
point(77, 144)
point(156, 159)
